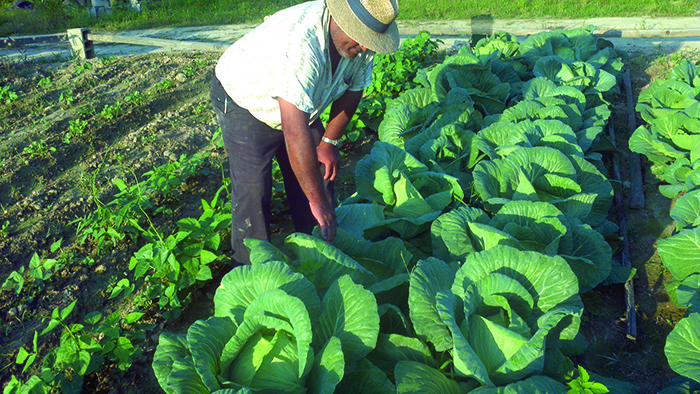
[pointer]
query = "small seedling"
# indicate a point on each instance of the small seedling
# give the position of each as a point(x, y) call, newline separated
point(106, 60)
point(66, 98)
point(4, 232)
point(44, 82)
point(7, 95)
point(82, 67)
point(583, 385)
point(135, 99)
point(38, 149)
point(148, 139)
point(110, 112)
point(164, 85)
point(76, 128)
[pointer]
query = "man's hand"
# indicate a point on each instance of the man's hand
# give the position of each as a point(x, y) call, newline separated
point(325, 215)
point(329, 156)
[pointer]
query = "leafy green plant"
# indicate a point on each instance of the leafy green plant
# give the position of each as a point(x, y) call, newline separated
point(80, 67)
point(40, 270)
point(110, 112)
point(394, 73)
point(164, 85)
point(66, 98)
point(15, 281)
point(76, 128)
point(175, 265)
point(135, 99)
point(83, 349)
point(284, 337)
point(682, 347)
point(44, 82)
point(38, 149)
point(7, 95)
point(583, 385)
point(389, 181)
point(679, 254)
point(671, 108)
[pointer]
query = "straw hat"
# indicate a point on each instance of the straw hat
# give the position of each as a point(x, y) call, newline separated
point(369, 22)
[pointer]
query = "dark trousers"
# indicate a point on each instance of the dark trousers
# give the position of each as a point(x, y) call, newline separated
point(250, 146)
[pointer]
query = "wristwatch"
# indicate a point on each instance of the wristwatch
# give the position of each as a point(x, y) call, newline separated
point(330, 141)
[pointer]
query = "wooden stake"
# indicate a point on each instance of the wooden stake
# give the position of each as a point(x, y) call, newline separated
point(626, 262)
point(637, 190)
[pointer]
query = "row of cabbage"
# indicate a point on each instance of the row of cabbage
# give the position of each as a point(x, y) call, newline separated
point(479, 217)
point(671, 142)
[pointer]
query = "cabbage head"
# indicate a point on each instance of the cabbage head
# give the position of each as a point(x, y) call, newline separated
point(271, 334)
point(502, 315)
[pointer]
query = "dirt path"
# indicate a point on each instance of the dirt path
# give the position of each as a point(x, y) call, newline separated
point(639, 34)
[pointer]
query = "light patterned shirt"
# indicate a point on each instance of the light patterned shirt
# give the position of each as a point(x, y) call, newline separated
point(288, 56)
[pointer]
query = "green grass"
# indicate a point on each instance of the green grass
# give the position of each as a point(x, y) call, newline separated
point(51, 16)
point(561, 9)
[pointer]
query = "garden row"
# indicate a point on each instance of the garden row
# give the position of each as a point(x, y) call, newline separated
point(671, 141)
point(479, 218)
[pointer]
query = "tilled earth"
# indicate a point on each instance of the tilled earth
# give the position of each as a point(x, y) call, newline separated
point(47, 181)
point(51, 174)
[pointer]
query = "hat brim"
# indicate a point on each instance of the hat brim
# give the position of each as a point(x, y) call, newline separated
point(351, 25)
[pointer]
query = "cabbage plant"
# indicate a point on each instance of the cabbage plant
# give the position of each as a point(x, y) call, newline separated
point(404, 196)
point(502, 315)
point(272, 333)
point(680, 254)
point(525, 225)
point(686, 211)
point(545, 174)
point(683, 348)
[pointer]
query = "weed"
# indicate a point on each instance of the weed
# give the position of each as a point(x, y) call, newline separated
point(38, 107)
point(583, 385)
point(87, 111)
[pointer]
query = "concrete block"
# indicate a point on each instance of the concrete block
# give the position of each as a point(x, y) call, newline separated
point(79, 43)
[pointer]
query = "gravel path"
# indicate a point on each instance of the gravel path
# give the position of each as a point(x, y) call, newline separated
point(651, 35)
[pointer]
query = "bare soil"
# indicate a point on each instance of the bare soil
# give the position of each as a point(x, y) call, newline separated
point(43, 192)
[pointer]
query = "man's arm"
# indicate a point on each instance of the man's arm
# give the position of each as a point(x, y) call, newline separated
point(301, 149)
point(342, 111)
